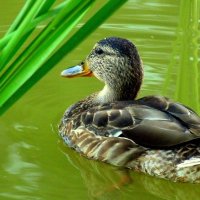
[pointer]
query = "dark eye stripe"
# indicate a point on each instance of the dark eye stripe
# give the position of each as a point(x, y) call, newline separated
point(99, 51)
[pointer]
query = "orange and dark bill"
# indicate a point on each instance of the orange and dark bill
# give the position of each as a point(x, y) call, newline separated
point(77, 71)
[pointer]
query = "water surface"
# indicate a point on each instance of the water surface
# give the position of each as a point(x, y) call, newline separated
point(35, 164)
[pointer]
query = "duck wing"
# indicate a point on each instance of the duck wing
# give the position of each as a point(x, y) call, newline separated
point(184, 114)
point(150, 121)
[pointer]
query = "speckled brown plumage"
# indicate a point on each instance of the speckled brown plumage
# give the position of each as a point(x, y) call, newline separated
point(153, 134)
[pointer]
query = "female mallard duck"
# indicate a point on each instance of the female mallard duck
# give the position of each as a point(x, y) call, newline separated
point(153, 134)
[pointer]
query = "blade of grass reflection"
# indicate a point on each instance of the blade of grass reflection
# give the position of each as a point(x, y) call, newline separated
point(195, 50)
point(187, 83)
point(182, 85)
point(185, 57)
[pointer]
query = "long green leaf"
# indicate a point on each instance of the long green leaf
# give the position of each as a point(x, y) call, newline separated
point(70, 13)
point(81, 34)
point(43, 51)
point(33, 24)
point(21, 16)
point(9, 50)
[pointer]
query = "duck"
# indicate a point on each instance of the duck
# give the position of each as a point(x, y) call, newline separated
point(152, 134)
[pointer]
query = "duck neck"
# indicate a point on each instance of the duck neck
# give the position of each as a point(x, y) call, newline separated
point(109, 94)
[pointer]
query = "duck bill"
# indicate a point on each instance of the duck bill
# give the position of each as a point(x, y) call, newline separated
point(81, 70)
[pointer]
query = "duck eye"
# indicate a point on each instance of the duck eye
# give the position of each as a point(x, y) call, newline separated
point(99, 51)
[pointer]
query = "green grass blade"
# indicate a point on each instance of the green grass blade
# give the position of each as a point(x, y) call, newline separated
point(10, 49)
point(51, 35)
point(33, 62)
point(20, 17)
point(48, 15)
point(81, 34)
point(45, 7)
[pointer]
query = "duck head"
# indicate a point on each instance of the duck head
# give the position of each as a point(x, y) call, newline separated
point(116, 62)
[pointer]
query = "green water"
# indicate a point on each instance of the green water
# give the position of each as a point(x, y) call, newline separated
point(35, 164)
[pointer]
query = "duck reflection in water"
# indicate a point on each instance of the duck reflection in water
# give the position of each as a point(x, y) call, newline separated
point(109, 182)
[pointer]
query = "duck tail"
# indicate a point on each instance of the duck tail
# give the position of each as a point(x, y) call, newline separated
point(189, 170)
point(194, 161)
